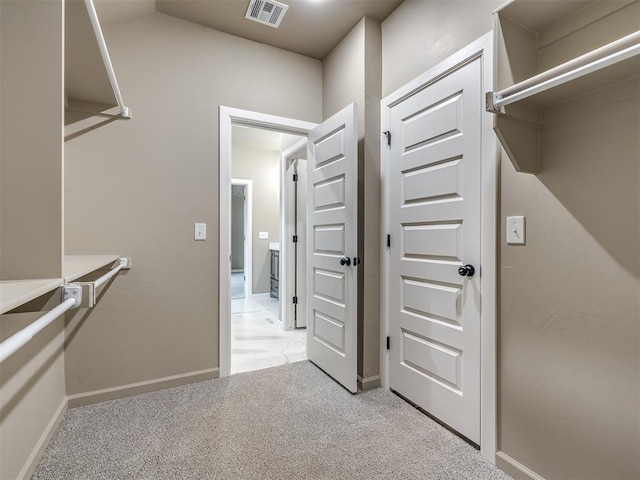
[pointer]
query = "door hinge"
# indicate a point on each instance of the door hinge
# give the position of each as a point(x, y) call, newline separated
point(295, 300)
point(295, 239)
point(388, 241)
point(387, 134)
point(295, 177)
point(388, 343)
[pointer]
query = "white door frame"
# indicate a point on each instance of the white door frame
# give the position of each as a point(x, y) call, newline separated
point(287, 255)
point(227, 118)
point(248, 230)
point(483, 47)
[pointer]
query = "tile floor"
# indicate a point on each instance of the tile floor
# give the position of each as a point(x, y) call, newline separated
point(237, 285)
point(257, 338)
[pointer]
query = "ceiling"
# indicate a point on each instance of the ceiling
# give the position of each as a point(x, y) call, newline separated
point(309, 27)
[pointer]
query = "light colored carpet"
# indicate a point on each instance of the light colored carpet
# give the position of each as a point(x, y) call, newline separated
point(288, 422)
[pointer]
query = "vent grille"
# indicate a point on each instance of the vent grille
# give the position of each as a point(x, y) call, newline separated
point(267, 12)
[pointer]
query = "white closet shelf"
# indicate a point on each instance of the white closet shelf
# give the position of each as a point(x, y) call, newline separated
point(14, 293)
point(537, 18)
point(76, 266)
point(577, 77)
point(551, 53)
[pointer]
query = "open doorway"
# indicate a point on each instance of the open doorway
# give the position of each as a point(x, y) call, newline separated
point(332, 252)
point(262, 328)
point(241, 238)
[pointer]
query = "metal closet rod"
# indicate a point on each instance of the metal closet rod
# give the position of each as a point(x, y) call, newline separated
point(578, 67)
point(21, 338)
point(114, 271)
point(72, 298)
point(102, 45)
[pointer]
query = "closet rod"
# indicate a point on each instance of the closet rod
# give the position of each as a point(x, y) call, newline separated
point(122, 263)
point(21, 338)
point(553, 78)
point(102, 45)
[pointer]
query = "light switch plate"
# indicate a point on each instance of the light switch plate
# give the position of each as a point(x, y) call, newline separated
point(200, 231)
point(263, 235)
point(516, 230)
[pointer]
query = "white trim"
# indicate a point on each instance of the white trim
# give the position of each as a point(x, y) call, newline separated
point(131, 389)
point(287, 257)
point(519, 469)
point(227, 118)
point(248, 234)
point(488, 342)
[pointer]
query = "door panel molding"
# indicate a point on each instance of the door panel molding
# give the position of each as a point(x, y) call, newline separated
point(445, 194)
point(332, 283)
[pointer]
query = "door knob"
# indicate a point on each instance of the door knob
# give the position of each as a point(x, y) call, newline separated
point(345, 261)
point(466, 270)
point(356, 261)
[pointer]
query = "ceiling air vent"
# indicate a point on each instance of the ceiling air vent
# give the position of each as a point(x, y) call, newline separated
point(267, 12)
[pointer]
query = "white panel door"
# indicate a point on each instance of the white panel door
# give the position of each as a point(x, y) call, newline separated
point(332, 243)
point(435, 182)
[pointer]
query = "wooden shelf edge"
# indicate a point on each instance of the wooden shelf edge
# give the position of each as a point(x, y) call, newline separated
point(76, 266)
point(14, 293)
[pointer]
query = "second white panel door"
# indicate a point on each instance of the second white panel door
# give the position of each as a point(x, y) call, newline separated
point(435, 181)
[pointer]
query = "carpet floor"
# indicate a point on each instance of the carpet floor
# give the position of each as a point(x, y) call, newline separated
point(287, 422)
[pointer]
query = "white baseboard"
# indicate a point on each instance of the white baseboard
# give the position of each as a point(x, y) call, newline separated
point(514, 468)
point(43, 441)
point(97, 396)
point(369, 382)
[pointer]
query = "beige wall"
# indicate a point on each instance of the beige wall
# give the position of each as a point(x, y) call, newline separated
point(569, 400)
point(32, 394)
point(31, 180)
point(263, 168)
point(421, 33)
point(568, 327)
point(352, 73)
point(135, 187)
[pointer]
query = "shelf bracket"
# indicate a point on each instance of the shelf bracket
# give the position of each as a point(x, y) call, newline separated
point(491, 99)
point(74, 292)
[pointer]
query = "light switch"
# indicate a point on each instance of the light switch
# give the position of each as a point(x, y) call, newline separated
point(263, 235)
point(200, 231)
point(515, 230)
